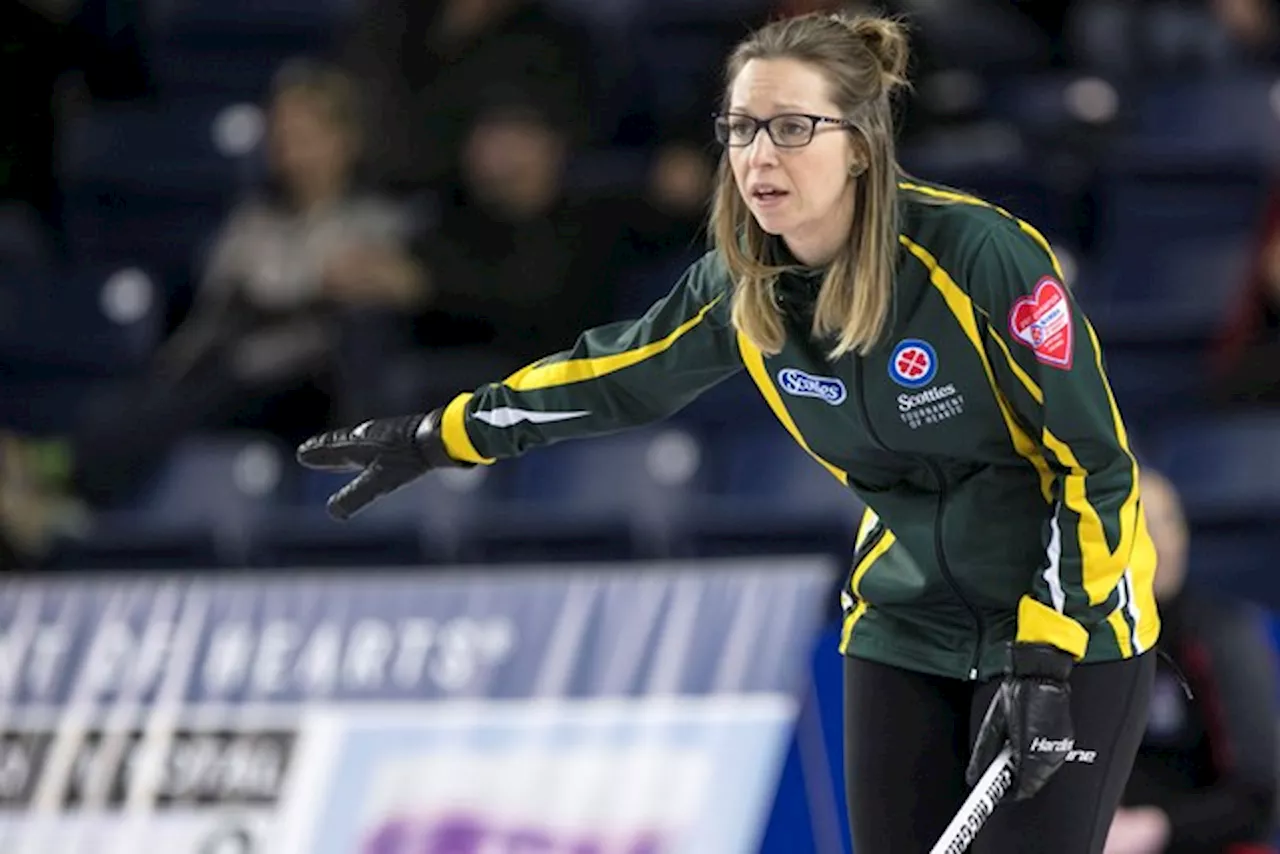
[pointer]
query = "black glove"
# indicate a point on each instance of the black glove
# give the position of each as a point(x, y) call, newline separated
point(388, 453)
point(1031, 711)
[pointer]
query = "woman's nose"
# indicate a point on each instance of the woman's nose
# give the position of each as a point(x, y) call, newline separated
point(762, 149)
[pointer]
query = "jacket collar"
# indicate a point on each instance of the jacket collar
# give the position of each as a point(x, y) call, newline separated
point(779, 254)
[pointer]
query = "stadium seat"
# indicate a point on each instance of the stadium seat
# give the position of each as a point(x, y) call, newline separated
point(672, 60)
point(168, 231)
point(1223, 114)
point(154, 182)
point(1185, 291)
point(1147, 41)
point(1227, 467)
point(196, 144)
point(649, 282)
point(95, 320)
point(197, 512)
point(974, 34)
point(1237, 557)
point(1022, 191)
point(769, 496)
point(233, 47)
point(1172, 248)
point(607, 170)
point(424, 522)
point(238, 19)
point(309, 538)
point(1153, 380)
point(734, 404)
point(601, 498)
point(1051, 106)
point(1202, 194)
point(41, 404)
point(221, 479)
point(25, 239)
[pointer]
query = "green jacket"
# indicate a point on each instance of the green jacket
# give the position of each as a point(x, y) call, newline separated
point(981, 434)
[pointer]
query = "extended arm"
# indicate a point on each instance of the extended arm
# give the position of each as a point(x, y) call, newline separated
point(616, 376)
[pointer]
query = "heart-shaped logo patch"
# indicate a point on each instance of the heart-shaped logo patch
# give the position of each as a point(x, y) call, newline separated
point(1042, 322)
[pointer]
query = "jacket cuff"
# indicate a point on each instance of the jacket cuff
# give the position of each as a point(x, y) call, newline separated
point(453, 432)
point(1038, 623)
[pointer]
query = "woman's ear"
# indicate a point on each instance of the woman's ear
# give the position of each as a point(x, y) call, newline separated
point(859, 156)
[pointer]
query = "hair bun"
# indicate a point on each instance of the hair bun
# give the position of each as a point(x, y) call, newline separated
point(887, 41)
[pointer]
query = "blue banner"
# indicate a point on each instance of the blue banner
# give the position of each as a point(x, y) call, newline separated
point(629, 709)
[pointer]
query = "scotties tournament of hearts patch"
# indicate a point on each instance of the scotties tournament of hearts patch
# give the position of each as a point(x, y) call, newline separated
point(1042, 321)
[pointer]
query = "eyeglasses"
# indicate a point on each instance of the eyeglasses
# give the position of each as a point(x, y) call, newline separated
point(789, 130)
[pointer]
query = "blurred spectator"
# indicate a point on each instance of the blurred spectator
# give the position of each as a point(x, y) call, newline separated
point(1205, 780)
point(33, 509)
point(680, 183)
point(1253, 25)
point(1247, 355)
point(519, 264)
point(308, 284)
point(424, 63)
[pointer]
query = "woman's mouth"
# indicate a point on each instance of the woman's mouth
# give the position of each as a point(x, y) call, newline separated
point(766, 197)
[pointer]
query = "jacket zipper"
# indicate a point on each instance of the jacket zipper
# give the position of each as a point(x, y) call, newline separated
point(946, 569)
point(937, 525)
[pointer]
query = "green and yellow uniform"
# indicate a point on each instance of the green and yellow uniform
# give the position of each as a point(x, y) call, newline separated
point(981, 433)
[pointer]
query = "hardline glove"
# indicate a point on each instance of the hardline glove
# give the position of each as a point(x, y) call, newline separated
point(387, 453)
point(1031, 711)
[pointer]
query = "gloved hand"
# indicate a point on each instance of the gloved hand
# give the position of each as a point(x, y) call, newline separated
point(1031, 711)
point(387, 453)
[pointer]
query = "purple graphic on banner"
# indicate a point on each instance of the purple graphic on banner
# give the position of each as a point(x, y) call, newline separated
point(469, 834)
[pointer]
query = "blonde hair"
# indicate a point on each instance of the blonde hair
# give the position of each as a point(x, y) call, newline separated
point(864, 59)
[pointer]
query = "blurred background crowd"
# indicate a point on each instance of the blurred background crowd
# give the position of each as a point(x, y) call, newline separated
point(224, 226)
point(227, 225)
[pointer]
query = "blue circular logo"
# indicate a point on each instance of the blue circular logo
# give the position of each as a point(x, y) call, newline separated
point(914, 363)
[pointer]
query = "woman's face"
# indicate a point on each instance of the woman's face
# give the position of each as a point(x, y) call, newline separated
point(804, 194)
point(307, 147)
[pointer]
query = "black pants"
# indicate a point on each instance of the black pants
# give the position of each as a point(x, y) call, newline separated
point(908, 738)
